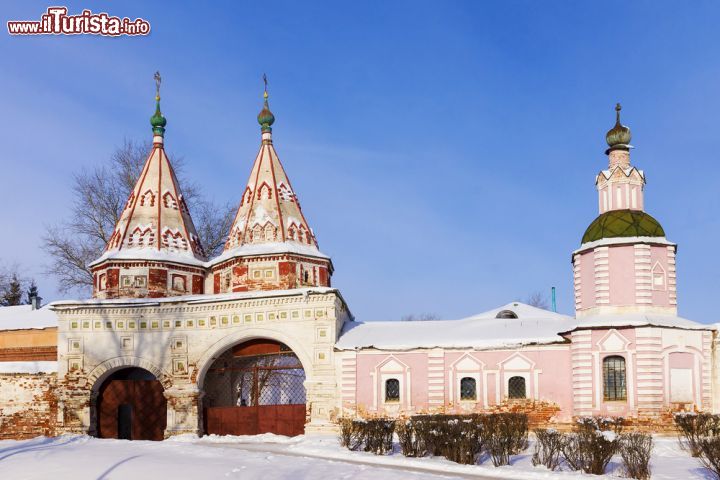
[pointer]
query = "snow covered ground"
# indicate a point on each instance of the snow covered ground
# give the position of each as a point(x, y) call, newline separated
point(269, 457)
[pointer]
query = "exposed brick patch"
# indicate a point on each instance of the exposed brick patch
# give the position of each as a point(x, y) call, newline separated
point(31, 354)
point(28, 405)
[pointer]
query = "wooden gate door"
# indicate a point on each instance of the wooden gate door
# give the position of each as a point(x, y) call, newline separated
point(140, 401)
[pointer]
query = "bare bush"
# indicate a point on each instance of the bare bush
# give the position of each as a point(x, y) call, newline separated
point(548, 448)
point(350, 434)
point(411, 443)
point(505, 434)
point(379, 435)
point(635, 450)
point(374, 435)
point(710, 454)
point(592, 446)
point(692, 427)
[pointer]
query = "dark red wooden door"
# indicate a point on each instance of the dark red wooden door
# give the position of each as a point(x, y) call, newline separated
point(142, 401)
point(252, 420)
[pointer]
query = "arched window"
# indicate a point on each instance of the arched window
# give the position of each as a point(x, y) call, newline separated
point(516, 387)
point(506, 314)
point(468, 389)
point(392, 390)
point(614, 378)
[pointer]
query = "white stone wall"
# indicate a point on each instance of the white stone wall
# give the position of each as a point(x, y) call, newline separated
point(177, 341)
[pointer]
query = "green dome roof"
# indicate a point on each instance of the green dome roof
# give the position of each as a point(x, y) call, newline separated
point(623, 223)
point(157, 121)
point(265, 117)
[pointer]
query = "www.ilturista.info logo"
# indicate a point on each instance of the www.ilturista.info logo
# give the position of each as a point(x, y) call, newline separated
point(57, 22)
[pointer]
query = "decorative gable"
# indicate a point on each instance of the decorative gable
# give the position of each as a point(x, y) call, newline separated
point(613, 341)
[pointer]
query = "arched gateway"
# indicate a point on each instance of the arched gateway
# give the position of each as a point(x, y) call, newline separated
point(255, 387)
point(131, 406)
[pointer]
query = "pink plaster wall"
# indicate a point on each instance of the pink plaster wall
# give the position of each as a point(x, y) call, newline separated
point(552, 362)
point(587, 278)
point(622, 274)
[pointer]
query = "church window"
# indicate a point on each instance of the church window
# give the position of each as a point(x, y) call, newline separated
point(614, 378)
point(618, 198)
point(268, 273)
point(264, 191)
point(178, 283)
point(257, 233)
point(126, 281)
point(658, 277)
point(102, 281)
point(269, 232)
point(506, 314)
point(285, 193)
point(140, 281)
point(257, 274)
point(633, 197)
point(291, 232)
point(169, 201)
point(392, 390)
point(468, 389)
point(306, 277)
point(147, 199)
point(516, 387)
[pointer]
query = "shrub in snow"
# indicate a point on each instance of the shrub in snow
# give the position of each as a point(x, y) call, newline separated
point(635, 450)
point(548, 448)
point(374, 435)
point(351, 433)
point(692, 427)
point(590, 448)
point(455, 437)
point(504, 434)
point(710, 454)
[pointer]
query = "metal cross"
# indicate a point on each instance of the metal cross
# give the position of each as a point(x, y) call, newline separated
point(158, 79)
point(265, 80)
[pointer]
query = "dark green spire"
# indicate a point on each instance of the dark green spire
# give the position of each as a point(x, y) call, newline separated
point(265, 117)
point(618, 137)
point(157, 121)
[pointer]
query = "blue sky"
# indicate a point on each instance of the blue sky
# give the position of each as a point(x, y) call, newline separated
point(444, 152)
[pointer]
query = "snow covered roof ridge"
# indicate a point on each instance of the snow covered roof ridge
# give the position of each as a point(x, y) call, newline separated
point(494, 329)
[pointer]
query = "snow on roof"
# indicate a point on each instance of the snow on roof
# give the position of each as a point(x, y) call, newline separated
point(192, 299)
point(148, 253)
point(485, 330)
point(28, 367)
point(23, 317)
point(268, 248)
point(639, 320)
point(622, 240)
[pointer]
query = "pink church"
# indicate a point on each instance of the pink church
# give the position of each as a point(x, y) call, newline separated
point(626, 353)
point(258, 340)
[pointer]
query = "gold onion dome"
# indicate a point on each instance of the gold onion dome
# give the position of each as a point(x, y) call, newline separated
point(619, 136)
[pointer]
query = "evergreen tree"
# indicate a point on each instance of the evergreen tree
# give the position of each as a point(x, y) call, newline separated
point(13, 296)
point(32, 291)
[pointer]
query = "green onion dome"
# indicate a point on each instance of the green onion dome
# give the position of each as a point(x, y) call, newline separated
point(157, 121)
point(265, 117)
point(619, 136)
point(623, 223)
